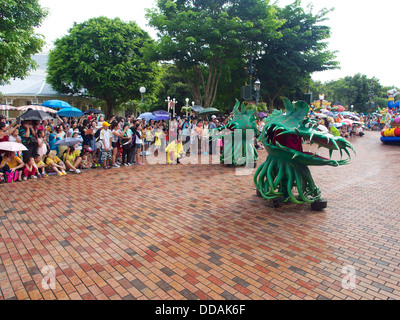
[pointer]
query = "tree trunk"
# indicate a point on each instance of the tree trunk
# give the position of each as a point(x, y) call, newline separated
point(109, 107)
point(198, 83)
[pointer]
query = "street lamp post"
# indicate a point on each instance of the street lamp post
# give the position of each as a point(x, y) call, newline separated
point(174, 104)
point(257, 87)
point(168, 101)
point(142, 92)
point(187, 106)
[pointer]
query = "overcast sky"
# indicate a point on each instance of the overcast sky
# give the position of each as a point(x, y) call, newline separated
point(364, 33)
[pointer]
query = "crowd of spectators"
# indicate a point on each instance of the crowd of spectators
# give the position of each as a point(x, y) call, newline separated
point(98, 143)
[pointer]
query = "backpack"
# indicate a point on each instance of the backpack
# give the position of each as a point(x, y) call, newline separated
point(97, 135)
point(133, 137)
point(11, 176)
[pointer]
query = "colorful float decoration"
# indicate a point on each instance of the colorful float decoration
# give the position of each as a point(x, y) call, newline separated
point(391, 119)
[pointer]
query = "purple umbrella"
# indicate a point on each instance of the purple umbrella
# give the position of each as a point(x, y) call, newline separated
point(161, 117)
point(161, 112)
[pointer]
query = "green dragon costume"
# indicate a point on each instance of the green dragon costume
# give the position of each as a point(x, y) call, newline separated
point(243, 153)
point(286, 166)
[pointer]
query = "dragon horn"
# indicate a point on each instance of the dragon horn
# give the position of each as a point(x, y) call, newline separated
point(236, 111)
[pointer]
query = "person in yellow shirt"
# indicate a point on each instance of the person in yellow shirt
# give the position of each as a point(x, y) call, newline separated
point(174, 151)
point(54, 163)
point(72, 160)
point(41, 166)
point(12, 163)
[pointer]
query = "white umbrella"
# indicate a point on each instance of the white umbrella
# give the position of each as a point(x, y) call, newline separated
point(12, 146)
point(38, 108)
point(323, 128)
point(320, 115)
point(5, 107)
point(354, 117)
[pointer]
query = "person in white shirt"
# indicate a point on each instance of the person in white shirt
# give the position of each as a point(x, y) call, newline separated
point(106, 150)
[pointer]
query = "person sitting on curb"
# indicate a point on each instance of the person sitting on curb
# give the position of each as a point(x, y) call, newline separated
point(30, 169)
point(54, 163)
point(12, 164)
point(41, 166)
point(72, 161)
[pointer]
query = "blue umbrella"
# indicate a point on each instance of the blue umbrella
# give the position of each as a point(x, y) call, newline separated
point(147, 116)
point(56, 104)
point(68, 142)
point(70, 112)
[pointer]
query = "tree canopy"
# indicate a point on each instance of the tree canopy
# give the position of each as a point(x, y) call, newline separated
point(353, 90)
point(205, 37)
point(286, 63)
point(103, 58)
point(18, 41)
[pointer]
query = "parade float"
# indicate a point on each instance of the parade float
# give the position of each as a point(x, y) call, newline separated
point(286, 172)
point(391, 119)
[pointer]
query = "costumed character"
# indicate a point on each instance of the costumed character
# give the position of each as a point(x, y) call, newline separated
point(174, 151)
point(234, 153)
point(286, 168)
point(393, 106)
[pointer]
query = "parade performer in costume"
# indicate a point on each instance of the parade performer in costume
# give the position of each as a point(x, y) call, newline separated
point(174, 151)
point(242, 153)
point(287, 164)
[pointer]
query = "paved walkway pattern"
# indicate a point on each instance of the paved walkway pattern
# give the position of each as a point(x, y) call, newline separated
point(200, 232)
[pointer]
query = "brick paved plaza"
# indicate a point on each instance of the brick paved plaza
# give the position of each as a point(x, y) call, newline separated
point(200, 232)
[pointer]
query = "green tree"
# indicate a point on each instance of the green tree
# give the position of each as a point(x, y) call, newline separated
point(173, 85)
point(286, 63)
point(353, 90)
point(205, 37)
point(18, 41)
point(104, 58)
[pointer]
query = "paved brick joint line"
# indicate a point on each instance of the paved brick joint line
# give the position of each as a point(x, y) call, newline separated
point(200, 232)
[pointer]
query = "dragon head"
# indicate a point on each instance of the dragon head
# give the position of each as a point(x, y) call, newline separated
point(244, 118)
point(283, 135)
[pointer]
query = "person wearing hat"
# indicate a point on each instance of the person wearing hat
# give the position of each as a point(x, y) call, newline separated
point(106, 143)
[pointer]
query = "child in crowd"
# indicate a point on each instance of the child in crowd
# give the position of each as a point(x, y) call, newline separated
point(30, 169)
point(42, 143)
point(54, 163)
point(87, 161)
point(52, 142)
point(41, 166)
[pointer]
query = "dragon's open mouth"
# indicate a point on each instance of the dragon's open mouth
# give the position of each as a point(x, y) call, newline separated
point(291, 142)
point(277, 137)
